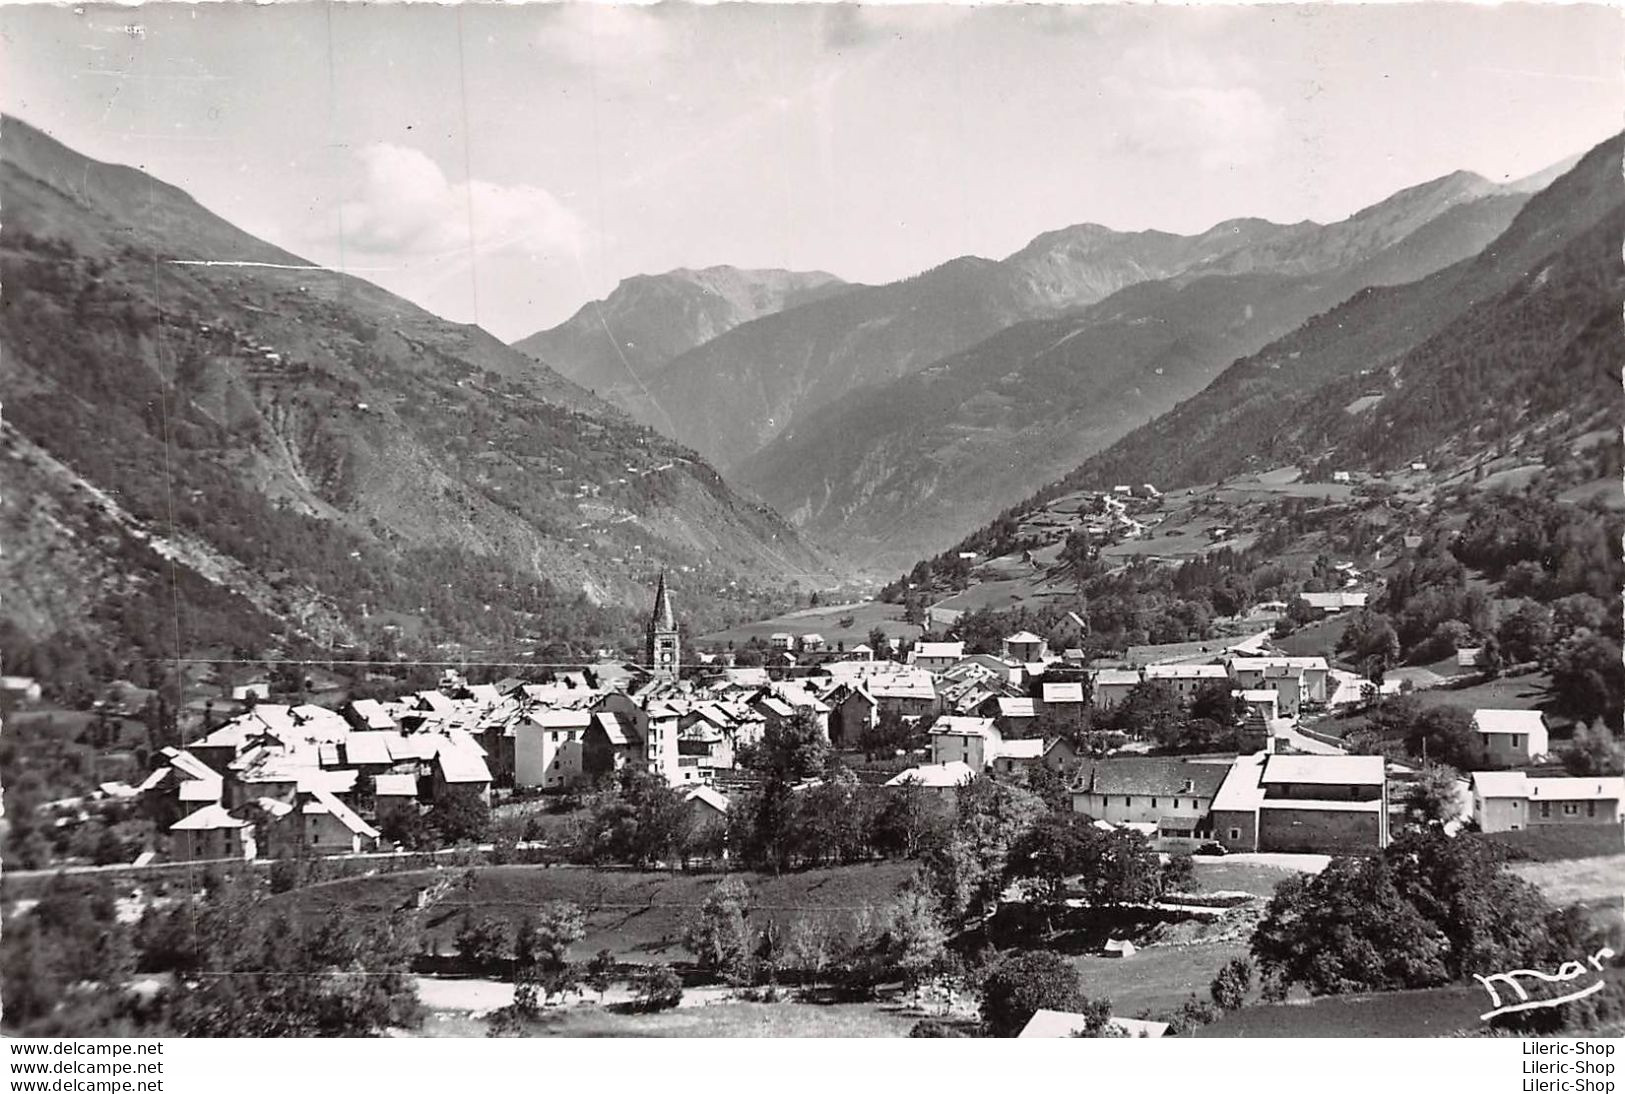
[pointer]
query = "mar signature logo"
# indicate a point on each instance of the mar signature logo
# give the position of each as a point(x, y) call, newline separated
point(1567, 972)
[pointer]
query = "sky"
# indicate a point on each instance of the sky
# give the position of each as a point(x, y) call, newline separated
point(504, 164)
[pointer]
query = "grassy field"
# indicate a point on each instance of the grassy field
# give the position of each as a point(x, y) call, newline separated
point(1216, 875)
point(1000, 595)
point(823, 620)
point(1561, 842)
point(1156, 978)
point(1526, 691)
point(1592, 881)
point(637, 915)
point(1317, 639)
point(1432, 1012)
point(716, 1020)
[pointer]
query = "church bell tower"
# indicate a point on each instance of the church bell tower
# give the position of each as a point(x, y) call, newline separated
point(660, 645)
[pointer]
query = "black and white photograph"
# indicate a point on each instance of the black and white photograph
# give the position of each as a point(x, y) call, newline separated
point(811, 520)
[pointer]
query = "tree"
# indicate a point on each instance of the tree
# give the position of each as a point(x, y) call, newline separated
point(965, 866)
point(1049, 852)
point(905, 822)
point(600, 971)
point(830, 822)
point(1112, 867)
point(1192, 1014)
point(1594, 751)
point(1526, 633)
point(1229, 988)
point(645, 821)
point(248, 973)
point(1347, 929)
point(59, 960)
point(1022, 984)
point(657, 988)
point(462, 815)
point(1588, 677)
point(1218, 703)
point(1393, 717)
point(793, 749)
point(542, 953)
point(1051, 785)
point(1487, 917)
point(917, 941)
point(1429, 910)
point(1370, 636)
point(1197, 735)
point(481, 944)
point(1445, 734)
point(1079, 559)
point(1148, 705)
point(406, 828)
point(1178, 873)
point(1582, 612)
point(719, 935)
point(1299, 612)
point(1436, 794)
point(888, 734)
point(811, 944)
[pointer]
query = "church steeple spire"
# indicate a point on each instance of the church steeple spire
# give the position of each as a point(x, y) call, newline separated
point(661, 645)
point(663, 619)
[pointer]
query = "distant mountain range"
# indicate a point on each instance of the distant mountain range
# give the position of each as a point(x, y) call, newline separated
point(306, 443)
point(1513, 351)
point(1517, 343)
point(734, 394)
point(895, 471)
point(616, 345)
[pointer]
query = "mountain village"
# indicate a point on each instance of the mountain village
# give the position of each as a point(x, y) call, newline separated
point(502, 620)
point(279, 780)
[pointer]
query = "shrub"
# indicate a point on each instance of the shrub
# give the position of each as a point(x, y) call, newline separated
point(657, 989)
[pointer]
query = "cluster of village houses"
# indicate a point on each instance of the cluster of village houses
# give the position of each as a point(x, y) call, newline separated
point(279, 778)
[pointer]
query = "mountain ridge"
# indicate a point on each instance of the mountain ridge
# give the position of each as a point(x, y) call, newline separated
point(1511, 350)
point(895, 471)
point(614, 345)
point(309, 426)
point(730, 397)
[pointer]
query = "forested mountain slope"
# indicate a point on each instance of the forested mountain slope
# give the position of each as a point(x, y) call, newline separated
point(366, 460)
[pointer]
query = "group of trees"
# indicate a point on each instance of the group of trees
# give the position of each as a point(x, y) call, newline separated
point(233, 968)
point(848, 952)
point(1064, 854)
point(1213, 721)
point(1427, 911)
point(1026, 982)
point(641, 821)
point(1593, 750)
point(1555, 566)
point(459, 815)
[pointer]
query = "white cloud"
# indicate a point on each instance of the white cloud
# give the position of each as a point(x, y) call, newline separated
point(405, 205)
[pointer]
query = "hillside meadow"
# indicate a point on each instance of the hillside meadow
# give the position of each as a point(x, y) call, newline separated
point(637, 915)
